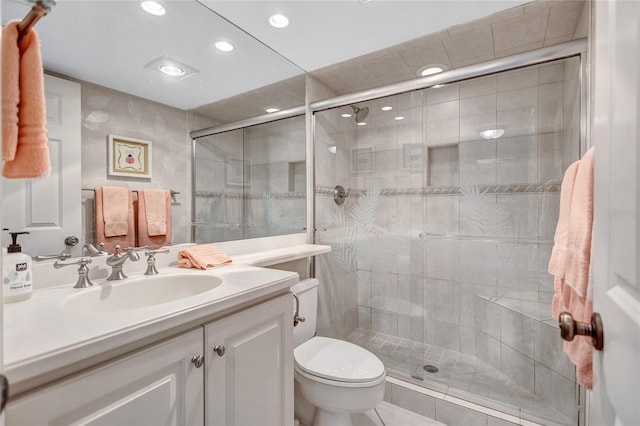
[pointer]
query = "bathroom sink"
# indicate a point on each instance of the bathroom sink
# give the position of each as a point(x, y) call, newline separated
point(139, 293)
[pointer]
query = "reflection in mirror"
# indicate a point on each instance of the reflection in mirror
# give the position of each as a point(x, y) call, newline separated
point(104, 48)
point(116, 44)
point(250, 182)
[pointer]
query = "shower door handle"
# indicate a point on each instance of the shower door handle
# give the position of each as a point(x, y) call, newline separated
point(569, 328)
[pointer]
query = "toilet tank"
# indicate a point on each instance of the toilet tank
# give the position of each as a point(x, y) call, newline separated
point(307, 293)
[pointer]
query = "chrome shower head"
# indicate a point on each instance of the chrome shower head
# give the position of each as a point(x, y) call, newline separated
point(361, 113)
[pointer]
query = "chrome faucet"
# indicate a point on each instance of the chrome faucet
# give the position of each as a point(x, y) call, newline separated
point(83, 271)
point(117, 260)
point(94, 251)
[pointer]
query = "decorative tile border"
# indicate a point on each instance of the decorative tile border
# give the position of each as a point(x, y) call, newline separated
point(473, 190)
point(239, 195)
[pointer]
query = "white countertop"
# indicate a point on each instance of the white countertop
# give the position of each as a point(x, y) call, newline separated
point(43, 341)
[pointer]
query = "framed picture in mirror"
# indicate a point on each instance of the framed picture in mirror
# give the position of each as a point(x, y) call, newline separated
point(235, 172)
point(129, 157)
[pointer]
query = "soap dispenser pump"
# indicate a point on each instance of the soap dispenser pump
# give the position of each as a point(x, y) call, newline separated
point(16, 272)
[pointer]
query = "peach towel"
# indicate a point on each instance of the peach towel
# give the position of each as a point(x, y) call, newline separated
point(126, 239)
point(25, 148)
point(154, 218)
point(115, 210)
point(203, 256)
point(570, 260)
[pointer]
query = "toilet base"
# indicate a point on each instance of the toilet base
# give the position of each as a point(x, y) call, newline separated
point(326, 418)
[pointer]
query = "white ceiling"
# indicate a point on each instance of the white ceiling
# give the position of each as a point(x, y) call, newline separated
point(323, 33)
point(108, 42)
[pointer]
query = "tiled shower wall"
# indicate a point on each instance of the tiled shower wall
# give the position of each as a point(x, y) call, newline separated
point(251, 182)
point(459, 222)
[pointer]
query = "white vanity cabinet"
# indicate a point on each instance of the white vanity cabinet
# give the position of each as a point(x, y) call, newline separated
point(249, 367)
point(159, 385)
point(250, 383)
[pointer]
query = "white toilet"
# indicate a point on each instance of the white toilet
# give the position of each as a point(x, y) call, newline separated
point(333, 378)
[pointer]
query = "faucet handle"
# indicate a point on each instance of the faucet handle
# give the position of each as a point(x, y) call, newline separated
point(132, 249)
point(151, 261)
point(60, 256)
point(154, 252)
point(83, 271)
point(83, 261)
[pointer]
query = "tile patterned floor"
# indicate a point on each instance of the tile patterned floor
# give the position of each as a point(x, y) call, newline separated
point(387, 414)
point(461, 375)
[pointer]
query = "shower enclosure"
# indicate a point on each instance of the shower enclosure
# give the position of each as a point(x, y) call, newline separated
point(249, 181)
point(440, 252)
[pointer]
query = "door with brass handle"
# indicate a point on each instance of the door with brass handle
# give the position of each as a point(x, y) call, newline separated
point(569, 328)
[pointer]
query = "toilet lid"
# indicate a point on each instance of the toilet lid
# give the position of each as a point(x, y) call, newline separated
point(337, 360)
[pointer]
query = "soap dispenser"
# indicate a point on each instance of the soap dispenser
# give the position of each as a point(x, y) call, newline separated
point(16, 272)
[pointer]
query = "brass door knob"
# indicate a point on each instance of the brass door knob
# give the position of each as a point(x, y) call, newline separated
point(570, 329)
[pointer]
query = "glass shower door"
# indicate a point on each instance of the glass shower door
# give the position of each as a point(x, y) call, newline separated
point(497, 147)
point(441, 248)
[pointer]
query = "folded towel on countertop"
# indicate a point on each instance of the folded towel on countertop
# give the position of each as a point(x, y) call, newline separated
point(25, 148)
point(202, 256)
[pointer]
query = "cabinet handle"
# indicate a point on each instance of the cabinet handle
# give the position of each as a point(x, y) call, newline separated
point(219, 349)
point(197, 360)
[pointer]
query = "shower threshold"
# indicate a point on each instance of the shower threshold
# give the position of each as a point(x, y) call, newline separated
point(453, 373)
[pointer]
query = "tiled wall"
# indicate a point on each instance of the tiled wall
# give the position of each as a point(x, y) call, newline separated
point(276, 156)
point(251, 182)
point(219, 187)
point(461, 222)
point(105, 112)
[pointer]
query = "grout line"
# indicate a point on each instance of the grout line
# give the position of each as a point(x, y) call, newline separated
point(416, 388)
point(479, 408)
point(461, 402)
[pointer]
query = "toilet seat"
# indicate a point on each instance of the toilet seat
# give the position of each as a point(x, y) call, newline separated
point(331, 360)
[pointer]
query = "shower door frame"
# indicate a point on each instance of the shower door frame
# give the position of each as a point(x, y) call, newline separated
point(575, 48)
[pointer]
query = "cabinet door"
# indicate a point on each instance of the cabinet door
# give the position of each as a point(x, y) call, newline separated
point(251, 383)
point(155, 386)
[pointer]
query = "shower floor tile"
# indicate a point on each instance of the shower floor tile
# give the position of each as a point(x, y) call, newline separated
point(462, 375)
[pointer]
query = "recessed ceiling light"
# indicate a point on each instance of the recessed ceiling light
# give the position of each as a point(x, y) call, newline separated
point(398, 118)
point(492, 133)
point(171, 67)
point(224, 46)
point(278, 20)
point(345, 115)
point(386, 108)
point(332, 149)
point(362, 123)
point(431, 69)
point(171, 70)
point(271, 109)
point(153, 8)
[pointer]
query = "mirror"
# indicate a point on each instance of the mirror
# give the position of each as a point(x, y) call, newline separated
point(119, 46)
point(123, 93)
point(250, 182)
